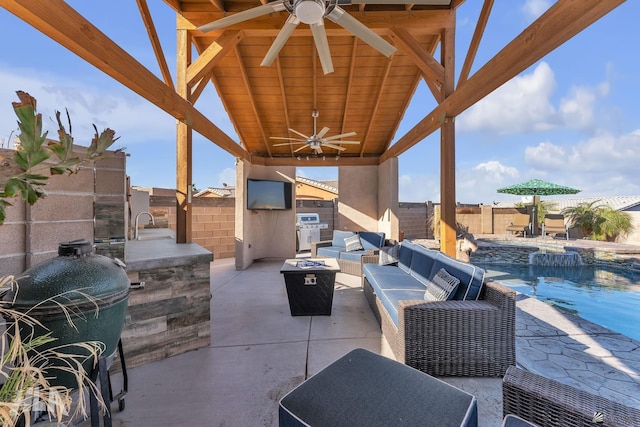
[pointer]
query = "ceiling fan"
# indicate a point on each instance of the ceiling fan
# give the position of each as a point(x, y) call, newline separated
point(317, 140)
point(311, 12)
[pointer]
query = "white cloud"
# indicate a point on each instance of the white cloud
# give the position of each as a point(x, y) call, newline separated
point(577, 110)
point(602, 165)
point(227, 176)
point(520, 105)
point(523, 105)
point(133, 118)
point(596, 154)
point(418, 188)
point(480, 183)
point(534, 8)
point(546, 156)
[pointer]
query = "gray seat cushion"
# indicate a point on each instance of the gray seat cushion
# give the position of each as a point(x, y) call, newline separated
point(339, 236)
point(330, 251)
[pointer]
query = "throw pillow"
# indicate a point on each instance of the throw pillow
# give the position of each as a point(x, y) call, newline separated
point(388, 255)
point(353, 243)
point(441, 287)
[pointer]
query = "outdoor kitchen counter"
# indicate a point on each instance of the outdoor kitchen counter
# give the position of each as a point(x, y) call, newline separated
point(155, 253)
point(170, 315)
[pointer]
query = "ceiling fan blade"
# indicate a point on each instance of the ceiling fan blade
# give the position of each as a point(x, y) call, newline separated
point(343, 142)
point(288, 143)
point(245, 15)
point(287, 138)
point(298, 133)
point(342, 135)
point(348, 22)
point(322, 132)
point(335, 147)
point(318, 149)
point(301, 148)
point(281, 39)
point(322, 45)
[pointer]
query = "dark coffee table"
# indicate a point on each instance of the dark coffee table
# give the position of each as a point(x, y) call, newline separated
point(310, 283)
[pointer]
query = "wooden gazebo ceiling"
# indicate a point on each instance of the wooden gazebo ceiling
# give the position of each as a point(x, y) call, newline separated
point(367, 93)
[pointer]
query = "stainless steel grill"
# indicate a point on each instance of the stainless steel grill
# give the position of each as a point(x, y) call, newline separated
point(308, 228)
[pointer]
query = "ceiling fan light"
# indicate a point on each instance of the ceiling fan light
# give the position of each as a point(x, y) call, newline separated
point(309, 11)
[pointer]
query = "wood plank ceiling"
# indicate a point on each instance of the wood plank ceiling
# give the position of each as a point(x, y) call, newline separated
point(367, 93)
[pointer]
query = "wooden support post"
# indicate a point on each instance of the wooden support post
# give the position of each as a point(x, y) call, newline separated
point(448, 189)
point(184, 159)
point(448, 153)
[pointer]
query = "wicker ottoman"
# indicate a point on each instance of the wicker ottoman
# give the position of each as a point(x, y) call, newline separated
point(366, 389)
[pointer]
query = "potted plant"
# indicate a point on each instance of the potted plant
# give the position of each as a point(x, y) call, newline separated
point(26, 354)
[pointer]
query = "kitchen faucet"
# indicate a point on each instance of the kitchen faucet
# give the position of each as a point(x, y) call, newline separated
point(153, 222)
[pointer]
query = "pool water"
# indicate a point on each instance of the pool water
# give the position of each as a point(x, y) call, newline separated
point(606, 297)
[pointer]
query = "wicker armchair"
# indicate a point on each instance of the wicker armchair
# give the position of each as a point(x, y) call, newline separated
point(353, 268)
point(452, 338)
point(547, 402)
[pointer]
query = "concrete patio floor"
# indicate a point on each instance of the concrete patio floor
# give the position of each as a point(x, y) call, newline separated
point(259, 352)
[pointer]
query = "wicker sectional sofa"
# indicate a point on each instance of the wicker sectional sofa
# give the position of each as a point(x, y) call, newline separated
point(470, 334)
point(549, 403)
point(350, 261)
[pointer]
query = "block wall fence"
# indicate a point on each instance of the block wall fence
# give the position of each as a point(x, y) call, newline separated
point(213, 219)
point(90, 205)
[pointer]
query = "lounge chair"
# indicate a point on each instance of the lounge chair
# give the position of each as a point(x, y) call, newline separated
point(521, 223)
point(554, 223)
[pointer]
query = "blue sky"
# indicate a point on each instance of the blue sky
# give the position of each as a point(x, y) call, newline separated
point(573, 118)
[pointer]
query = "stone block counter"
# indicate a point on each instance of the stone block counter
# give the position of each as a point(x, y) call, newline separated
point(171, 314)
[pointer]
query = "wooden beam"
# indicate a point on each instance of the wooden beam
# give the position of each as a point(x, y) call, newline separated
point(328, 160)
point(184, 147)
point(432, 69)
point(174, 4)
point(155, 42)
point(283, 94)
point(218, 4)
point(563, 20)
point(347, 97)
point(252, 100)
point(418, 21)
point(212, 56)
point(475, 40)
point(56, 19)
point(198, 89)
point(376, 107)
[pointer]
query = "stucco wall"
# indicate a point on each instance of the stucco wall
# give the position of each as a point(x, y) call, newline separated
point(358, 202)
point(262, 234)
point(388, 220)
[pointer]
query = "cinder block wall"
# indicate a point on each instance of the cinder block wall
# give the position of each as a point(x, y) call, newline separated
point(31, 234)
point(213, 221)
point(414, 220)
point(470, 217)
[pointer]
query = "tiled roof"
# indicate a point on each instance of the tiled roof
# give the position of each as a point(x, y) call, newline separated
point(220, 192)
point(331, 185)
point(619, 203)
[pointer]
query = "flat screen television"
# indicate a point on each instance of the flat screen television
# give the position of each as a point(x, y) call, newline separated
point(264, 194)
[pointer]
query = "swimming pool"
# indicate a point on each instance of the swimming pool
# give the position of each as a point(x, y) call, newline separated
point(608, 297)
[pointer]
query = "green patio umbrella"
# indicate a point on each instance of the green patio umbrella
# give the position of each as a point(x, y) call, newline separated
point(537, 187)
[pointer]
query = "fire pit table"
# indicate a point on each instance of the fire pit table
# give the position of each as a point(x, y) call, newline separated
point(310, 284)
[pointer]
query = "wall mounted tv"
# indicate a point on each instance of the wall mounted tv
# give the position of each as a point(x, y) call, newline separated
point(268, 195)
